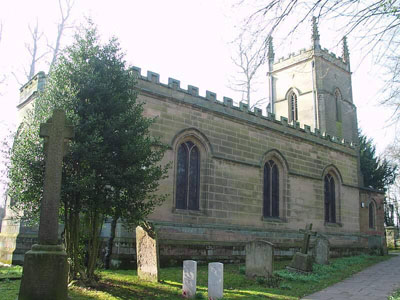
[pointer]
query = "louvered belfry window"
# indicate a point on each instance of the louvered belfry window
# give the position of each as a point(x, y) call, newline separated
point(293, 107)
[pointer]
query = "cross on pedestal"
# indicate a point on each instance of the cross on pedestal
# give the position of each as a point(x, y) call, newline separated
point(55, 131)
point(45, 272)
point(307, 234)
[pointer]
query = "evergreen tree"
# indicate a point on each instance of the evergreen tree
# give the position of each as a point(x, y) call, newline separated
point(113, 165)
point(378, 173)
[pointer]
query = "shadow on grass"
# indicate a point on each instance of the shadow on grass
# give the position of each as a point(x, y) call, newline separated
point(128, 290)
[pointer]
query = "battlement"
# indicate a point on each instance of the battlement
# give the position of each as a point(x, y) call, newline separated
point(36, 84)
point(305, 54)
point(151, 84)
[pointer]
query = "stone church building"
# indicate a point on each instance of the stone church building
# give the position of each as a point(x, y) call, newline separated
point(238, 175)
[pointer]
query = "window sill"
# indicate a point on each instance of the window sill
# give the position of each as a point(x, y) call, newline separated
point(272, 220)
point(189, 212)
point(328, 224)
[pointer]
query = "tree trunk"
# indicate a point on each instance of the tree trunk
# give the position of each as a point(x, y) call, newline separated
point(110, 243)
point(95, 224)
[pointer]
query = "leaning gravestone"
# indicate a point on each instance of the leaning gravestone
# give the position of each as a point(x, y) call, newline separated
point(302, 261)
point(147, 254)
point(45, 272)
point(189, 278)
point(215, 280)
point(259, 259)
point(321, 250)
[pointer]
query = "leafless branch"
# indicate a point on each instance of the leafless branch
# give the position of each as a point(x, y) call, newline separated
point(375, 25)
point(33, 49)
point(65, 13)
point(249, 58)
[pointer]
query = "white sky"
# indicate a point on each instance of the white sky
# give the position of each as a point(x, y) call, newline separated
point(183, 39)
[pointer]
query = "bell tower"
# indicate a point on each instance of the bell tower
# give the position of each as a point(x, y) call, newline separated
point(313, 87)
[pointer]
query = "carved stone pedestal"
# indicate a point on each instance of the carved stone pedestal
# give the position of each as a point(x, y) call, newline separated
point(45, 274)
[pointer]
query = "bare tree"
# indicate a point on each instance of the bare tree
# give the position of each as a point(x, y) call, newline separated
point(375, 24)
point(33, 49)
point(65, 13)
point(249, 58)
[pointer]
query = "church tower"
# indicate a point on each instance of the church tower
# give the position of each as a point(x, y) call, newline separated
point(313, 87)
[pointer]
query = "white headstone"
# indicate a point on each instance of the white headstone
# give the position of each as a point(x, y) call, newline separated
point(189, 278)
point(215, 280)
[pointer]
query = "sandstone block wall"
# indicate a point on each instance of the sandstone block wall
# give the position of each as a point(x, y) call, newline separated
point(234, 147)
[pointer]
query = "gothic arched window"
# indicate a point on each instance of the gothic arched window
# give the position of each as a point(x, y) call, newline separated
point(330, 198)
point(371, 215)
point(338, 98)
point(271, 189)
point(293, 116)
point(188, 176)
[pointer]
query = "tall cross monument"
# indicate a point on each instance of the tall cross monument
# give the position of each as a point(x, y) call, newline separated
point(45, 272)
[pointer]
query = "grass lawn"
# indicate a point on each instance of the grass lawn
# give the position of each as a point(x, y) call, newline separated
point(124, 284)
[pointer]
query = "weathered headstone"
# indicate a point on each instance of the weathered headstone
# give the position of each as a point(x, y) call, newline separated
point(259, 259)
point(321, 250)
point(45, 272)
point(189, 278)
point(302, 261)
point(215, 280)
point(147, 254)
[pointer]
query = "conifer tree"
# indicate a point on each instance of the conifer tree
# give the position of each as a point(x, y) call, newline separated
point(113, 165)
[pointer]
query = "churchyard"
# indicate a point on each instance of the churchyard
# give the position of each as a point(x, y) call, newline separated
point(125, 284)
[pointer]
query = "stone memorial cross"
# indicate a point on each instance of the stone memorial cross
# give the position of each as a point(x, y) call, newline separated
point(45, 273)
point(55, 131)
point(307, 234)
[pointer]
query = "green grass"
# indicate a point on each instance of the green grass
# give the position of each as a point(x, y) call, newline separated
point(124, 284)
point(395, 295)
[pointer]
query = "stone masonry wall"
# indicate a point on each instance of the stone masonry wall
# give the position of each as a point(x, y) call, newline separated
point(234, 146)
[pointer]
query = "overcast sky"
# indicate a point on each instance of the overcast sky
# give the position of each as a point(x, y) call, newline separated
point(183, 39)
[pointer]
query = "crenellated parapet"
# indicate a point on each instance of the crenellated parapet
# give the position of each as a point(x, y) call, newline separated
point(29, 89)
point(152, 85)
point(307, 54)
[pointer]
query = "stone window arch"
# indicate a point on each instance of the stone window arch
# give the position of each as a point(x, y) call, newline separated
point(191, 152)
point(188, 176)
point(338, 102)
point(329, 199)
point(332, 195)
point(274, 169)
point(371, 215)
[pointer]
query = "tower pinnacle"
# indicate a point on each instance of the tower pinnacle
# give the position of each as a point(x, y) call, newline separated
point(315, 34)
point(345, 51)
point(271, 54)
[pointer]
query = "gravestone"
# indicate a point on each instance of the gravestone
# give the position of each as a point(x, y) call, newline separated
point(45, 272)
point(215, 280)
point(302, 261)
point(189, 278)
point(259, 259)
point(147, 254)
point(321, 250)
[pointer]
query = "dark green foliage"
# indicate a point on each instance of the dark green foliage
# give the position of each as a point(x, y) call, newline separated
point(378, 173)
point(113, 164)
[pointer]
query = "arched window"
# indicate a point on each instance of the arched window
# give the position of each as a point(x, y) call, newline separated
point(188, 176)
point(338, 98)
point(330, 199)
point(271, 189)
point(371, 215)
point(293, 116)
